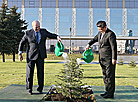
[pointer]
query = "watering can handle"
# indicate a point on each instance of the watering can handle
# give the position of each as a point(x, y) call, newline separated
point(90, 50)
point(60, 44)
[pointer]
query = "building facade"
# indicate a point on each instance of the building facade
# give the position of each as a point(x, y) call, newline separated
point(58, 16)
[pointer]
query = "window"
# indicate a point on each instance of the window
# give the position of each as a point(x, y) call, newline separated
point(48, 3)
point(65, 3)
point(116, 21)
point(131, 3)
point(65, 21)
point(17, 3)
point(98, 3)
point(82, 22)
point(31, 3)
point(115, 3)
point(81, 3)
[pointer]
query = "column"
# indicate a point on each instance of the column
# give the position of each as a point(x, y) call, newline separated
point(40, 16)
point(23, 10)
point(124, 19)
point(57, 21)
point(40, 13)
point(108, 17)
point(90, 21)
point(73, 21)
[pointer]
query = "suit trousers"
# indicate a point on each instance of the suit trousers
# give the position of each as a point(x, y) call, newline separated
point(30, 72)
point(108, 71)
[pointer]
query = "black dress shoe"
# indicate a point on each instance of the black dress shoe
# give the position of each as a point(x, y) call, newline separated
point(108, 96)
point(40, 91)
point(103, 94)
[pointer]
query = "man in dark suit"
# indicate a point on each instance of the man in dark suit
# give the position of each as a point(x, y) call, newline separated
point(107, 56)
point(36, 53)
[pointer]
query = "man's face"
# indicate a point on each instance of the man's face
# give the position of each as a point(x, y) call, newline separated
point(102, 30)
point(36, 26)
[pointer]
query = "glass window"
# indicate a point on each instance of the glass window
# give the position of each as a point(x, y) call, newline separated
point(115, 3)
point(17, 3)
point(98, 3)
point(31, 3)
point(132, 21)
point(65, 21)
point(98, 14)
point(116, 21)
point(82, 22)
point(48, 3)
point(81, 3)
point(31, 14)
point(65, 3)
point(131, 3)
point(48, 19)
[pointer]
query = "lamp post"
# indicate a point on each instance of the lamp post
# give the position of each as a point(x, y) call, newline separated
point(70, 41)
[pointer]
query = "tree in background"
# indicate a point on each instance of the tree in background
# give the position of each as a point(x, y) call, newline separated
point(15, 28)
point(11, 30)
point(4, 13)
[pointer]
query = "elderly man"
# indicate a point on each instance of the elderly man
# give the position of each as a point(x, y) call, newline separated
point(36, 53)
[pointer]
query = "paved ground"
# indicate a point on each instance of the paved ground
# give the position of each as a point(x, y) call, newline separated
point(127, 58)
point(17, 93)
point(122, 94)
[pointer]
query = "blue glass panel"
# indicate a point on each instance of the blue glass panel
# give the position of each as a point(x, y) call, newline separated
point(31, 14)
point(65, 21)
point(136, 4)
point(98, 14)
point(65, 4)
point(17, 3)
point(115, 4)
point(132, 21)
point(48, 19)
point(116, 21)
point(51, 4)
point(98, 3)
point(82, 4)
point(82, 22)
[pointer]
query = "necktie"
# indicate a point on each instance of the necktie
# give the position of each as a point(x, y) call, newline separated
point(101, 36)
point(37, 37)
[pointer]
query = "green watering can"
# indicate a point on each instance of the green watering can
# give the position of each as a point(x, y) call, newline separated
point(59, 49)
point(88, 55)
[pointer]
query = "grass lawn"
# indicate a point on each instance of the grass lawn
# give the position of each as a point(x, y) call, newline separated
point(15, 73)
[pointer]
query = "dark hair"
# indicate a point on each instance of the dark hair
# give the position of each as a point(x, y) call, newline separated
point(101, 24)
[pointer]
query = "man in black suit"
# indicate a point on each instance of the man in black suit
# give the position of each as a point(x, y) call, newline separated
point(107, 56)
point(36, 53)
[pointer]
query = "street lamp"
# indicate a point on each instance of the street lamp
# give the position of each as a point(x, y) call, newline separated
point(70, 41)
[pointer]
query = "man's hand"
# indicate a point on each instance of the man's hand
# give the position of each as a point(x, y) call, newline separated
point(87, 47)
point(20, 57)
point(113, 61)
point(59, 39)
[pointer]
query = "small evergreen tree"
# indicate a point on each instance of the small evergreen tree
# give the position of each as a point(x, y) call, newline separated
point(132, 63)
point(121, 62)
point(70, 77)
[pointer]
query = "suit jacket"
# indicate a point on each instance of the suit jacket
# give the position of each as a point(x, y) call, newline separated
point(33, 48)
point(107, 45)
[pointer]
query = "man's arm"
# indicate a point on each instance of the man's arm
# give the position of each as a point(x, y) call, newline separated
point(112, 41)
point(53, 36)
point(95, 39)
point(20, 49)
